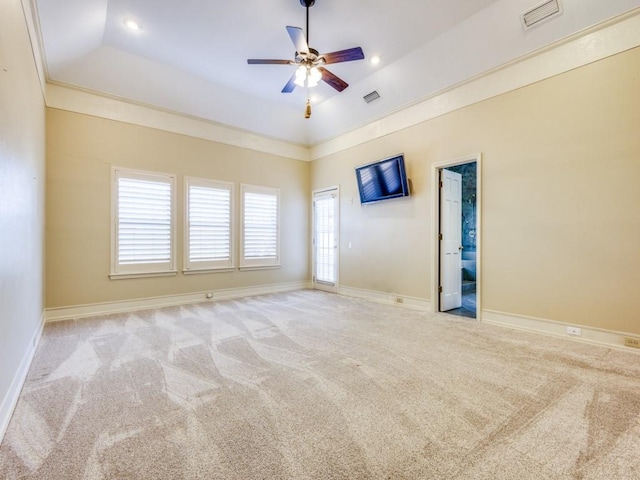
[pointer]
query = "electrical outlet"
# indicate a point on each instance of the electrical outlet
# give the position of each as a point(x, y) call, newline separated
point(575, 331)
point(632, 342)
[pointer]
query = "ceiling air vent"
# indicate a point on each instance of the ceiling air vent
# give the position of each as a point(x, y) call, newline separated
point(542, 12)
point(370, 97)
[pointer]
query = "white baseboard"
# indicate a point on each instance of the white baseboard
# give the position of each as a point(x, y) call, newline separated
point(594, 336)
point(10, 400)
point(79, 311)
point(388, 298)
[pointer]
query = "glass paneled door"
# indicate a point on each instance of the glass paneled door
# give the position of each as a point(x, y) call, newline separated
point(325, 239)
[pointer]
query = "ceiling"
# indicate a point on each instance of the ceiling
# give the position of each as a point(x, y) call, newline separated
point(189, 56)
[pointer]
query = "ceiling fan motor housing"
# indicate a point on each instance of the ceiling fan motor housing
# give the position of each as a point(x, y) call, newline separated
point(309, 59)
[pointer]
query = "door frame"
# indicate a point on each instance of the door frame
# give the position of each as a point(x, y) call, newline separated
point(325, 287)
point(435, 228)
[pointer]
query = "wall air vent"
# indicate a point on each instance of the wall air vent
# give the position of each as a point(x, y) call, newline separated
point(370, 97)
point(540, 13)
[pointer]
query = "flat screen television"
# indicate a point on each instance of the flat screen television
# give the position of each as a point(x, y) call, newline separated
point(382, 180)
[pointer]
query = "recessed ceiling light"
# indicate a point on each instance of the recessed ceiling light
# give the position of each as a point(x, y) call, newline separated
point(131, 24)
point(375, 60)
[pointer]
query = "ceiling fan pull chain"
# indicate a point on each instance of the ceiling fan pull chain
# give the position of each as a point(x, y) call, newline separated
point(307, 111)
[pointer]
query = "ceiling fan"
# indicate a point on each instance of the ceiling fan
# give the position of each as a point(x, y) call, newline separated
point(310, 63)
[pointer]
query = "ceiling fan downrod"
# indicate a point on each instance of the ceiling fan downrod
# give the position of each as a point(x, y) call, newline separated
point(310, 65)
point(307, 4)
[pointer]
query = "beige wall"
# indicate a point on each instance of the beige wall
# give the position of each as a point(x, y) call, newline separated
point(561, 198)
point(80, 153)
point(22, 182)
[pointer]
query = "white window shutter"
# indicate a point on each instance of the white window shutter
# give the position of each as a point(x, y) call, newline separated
point(209, 234)
point(260, 221)
point(143, 223)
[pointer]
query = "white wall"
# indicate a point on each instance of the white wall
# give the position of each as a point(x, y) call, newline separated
point(22, 185)
point(81, 149)
point(560, 174)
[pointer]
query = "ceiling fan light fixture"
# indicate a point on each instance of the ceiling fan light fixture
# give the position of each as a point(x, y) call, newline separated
point(301, 76)
point(314, 77)
point(307, 76)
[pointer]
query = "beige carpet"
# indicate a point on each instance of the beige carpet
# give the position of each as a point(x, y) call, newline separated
point(308, 385)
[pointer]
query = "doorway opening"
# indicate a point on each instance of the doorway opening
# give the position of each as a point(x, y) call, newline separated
point(457, 244)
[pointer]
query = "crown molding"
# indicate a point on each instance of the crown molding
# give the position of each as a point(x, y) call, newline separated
point(73, 99)
point(609, 38)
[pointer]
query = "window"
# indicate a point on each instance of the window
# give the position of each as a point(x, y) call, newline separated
point(208, 235)
point(143, 223)
point(260, 242)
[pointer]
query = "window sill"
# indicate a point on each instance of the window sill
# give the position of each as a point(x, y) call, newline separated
point(123, 276)
point(198, 271)
point(260, 267)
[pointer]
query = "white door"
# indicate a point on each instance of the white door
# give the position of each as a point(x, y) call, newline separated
point(450, 240)
point(325, 240)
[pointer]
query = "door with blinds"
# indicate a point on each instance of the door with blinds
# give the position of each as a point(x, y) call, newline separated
point(325, 239)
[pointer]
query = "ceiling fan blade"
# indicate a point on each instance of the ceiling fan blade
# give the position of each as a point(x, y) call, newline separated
point(333, 80)
point(343, 55)
point(291, 85)
point(297, 37)
point(260, 61)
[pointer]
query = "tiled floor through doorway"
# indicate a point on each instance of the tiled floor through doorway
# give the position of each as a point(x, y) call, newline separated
point(468, 308)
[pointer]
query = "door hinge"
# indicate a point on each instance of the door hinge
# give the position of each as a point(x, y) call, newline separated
point(313, 279)
point(439, 236)
point(440, 184)
point(440, 289)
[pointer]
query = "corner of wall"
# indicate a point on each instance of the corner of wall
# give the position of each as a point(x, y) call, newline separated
point(10, 400)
